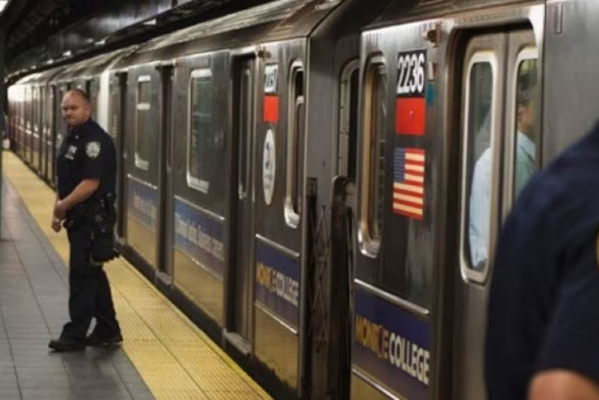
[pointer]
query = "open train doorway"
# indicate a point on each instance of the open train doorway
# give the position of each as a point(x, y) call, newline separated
point(343, 225)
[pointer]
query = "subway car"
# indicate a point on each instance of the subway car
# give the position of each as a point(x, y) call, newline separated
point(303, 177)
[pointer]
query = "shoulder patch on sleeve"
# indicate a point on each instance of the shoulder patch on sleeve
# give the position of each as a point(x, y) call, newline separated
point(92, 149)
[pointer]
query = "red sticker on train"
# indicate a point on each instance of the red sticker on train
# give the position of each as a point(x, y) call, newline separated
point(271, 109)
point(410, 116)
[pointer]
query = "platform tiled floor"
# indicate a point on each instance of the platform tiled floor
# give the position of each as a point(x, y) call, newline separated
point(33, 299)
point(164, 355)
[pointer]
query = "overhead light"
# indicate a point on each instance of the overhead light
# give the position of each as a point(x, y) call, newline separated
point(67, 53)
point(150, 22)
point(100, 42)
point(3, 4)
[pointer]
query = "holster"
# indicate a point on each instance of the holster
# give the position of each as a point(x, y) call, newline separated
point(103, 245)
point(100, 213)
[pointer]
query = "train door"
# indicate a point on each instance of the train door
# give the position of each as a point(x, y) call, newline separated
point(53, 117)
point(165, 183)
point(43, 131)
point(498, 155)
point(28, 126)
point(143, 162)
point(39, 139)
point(33, 125)
point(61, 125)
point(19, 129)
point(116, 122)
point(240, 279)
point(34, 128)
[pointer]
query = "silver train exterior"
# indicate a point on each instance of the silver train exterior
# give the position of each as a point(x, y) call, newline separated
point(297, 176)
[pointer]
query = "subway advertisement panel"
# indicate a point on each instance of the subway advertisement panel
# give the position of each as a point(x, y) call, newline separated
point(199, 237)
point(278, 283)
point(143, 204)
point(391, 346)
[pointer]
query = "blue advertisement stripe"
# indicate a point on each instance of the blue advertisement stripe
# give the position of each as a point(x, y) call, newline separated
point(277, 284)
point(392, 346)
point(143, 202)
point(199, 237)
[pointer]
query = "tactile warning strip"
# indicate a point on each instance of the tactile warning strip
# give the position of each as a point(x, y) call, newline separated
point(175, 358)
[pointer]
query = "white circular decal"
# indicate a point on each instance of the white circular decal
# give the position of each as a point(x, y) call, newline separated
point(269, 166)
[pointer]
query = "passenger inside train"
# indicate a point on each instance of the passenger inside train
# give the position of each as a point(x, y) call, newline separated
point(524, 160)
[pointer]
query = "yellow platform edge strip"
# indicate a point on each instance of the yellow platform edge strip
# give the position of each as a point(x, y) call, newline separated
point(173, 356)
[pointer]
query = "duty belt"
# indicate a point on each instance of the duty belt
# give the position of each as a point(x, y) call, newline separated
point(90, 211)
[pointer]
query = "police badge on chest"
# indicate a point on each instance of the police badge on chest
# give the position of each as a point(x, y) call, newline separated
point(72, 150)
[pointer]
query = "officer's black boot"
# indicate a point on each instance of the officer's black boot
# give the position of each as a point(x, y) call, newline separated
point(63, 344)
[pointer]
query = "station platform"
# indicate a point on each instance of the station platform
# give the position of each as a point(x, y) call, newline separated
point(163, 356)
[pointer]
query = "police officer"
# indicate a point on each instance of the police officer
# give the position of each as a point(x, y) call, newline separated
point(543, 314)
point(86, 170)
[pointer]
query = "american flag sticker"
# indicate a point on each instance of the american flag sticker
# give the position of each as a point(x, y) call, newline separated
point(408, 182)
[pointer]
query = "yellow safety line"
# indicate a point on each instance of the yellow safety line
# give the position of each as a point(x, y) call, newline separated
point(175, 358)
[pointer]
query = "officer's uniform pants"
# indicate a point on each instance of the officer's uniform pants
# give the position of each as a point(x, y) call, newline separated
point(89, 291)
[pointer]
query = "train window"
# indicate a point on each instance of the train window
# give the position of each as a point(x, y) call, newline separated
point(50, 110)
point(26, 106)
point(524, 149)
point(93, 91)
point(201, 136)
point(115, 102)
point(296, 125)
point(32, 108)
point(375, 127)
point(43, 111)
point(22, 110)
point(245, 128)
point(144, 121)
point(28, 109)
point(40, 110)
point(61, 126)
point(36, 110)
point(479, 137)
point(348, 120)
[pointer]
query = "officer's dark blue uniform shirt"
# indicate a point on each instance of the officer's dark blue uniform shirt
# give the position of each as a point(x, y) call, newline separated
point(544, 300)
point(87, 152)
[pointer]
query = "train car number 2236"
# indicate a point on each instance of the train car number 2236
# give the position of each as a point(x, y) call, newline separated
point(411, 71)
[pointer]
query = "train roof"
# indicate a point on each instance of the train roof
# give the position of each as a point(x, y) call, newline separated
point(80, 70)
point(40, 77)
point(274, 21)
point(93, 66)
point(399, 11)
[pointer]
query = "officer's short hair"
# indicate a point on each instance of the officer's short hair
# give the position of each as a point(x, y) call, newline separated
point(81, 93)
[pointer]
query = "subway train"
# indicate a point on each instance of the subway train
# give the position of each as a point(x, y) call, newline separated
point(300, 177)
